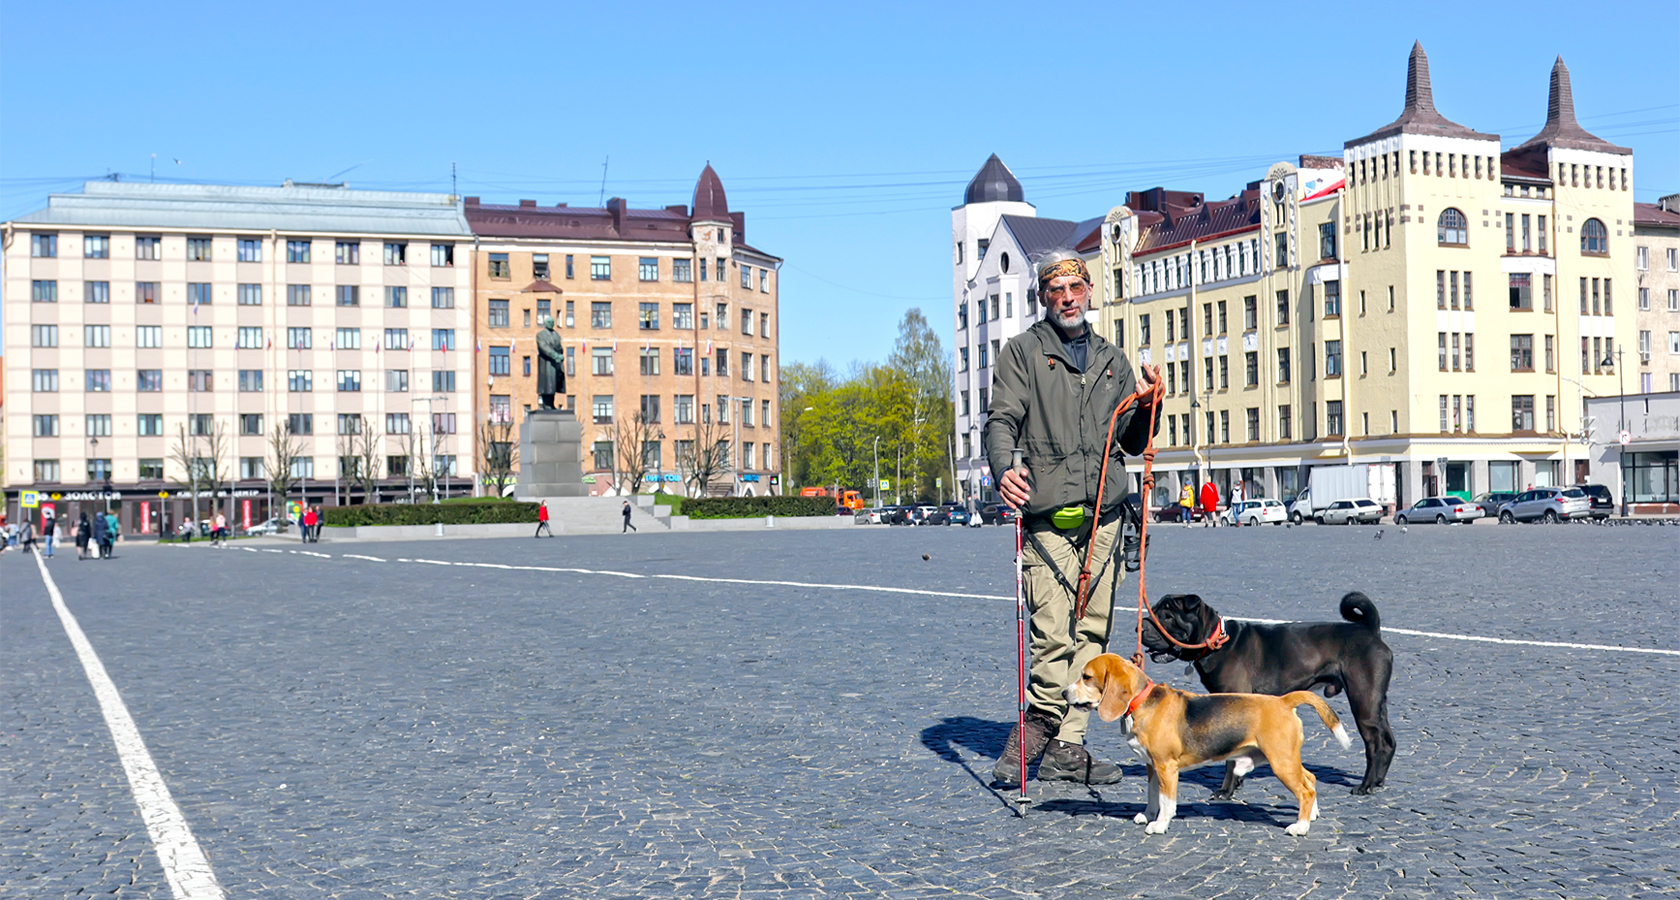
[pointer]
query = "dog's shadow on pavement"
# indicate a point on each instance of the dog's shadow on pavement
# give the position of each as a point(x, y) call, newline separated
point(984, 738)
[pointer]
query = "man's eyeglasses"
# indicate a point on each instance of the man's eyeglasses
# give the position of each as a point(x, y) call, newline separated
point(1079, 290)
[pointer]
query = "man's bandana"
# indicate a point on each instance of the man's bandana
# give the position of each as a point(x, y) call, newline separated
point(1065, 267)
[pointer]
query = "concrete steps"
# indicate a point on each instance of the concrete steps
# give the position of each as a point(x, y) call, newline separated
point(603, 515)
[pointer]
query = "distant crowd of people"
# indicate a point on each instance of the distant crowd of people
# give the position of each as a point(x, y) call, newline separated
point(95, 534)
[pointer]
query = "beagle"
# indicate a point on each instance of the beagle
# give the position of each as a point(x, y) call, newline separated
point(1173, 730)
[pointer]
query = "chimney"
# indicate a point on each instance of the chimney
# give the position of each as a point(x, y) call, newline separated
point(527, 204)
point(472, 201)
point(616, 206)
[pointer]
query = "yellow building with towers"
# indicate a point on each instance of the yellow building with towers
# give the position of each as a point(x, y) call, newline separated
point(1426, 301)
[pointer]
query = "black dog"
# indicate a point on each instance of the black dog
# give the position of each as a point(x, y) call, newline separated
point(1297, 656)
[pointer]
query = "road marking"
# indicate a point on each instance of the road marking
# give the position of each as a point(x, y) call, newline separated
point(272, 550)
point(359, 556)
point(184, 863)
point(926, 593)
point(313, 553)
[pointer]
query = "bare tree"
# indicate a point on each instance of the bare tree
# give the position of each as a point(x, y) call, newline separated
point(498, 453)
point(201, 457)
point(283, 452)
point(701, 460)
point(368, 445)
point(629, 436)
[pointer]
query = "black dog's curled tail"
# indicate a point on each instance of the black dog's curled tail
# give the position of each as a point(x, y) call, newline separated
point(1358, 608)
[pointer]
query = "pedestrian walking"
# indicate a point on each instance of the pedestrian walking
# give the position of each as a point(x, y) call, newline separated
point(49, 530)
point(112, 531)
point(26, 535)
point(1210, 505)
point(542, 519)
point(627, 526)
point(1057, 385)
point(84, 536)
point(99, 527)
point(1187, 504)
point(218, 532)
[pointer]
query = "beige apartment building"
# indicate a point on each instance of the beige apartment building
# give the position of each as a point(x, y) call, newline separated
point(669, 321)
point(1333, 311)
point(149, 324)
point(1656, 231)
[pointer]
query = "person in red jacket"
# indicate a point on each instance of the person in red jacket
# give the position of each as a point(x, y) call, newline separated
point(542, 519)
point(1210, 503)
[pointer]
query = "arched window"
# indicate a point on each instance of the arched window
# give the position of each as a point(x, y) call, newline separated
point(1594, 238)
point(1452, 229)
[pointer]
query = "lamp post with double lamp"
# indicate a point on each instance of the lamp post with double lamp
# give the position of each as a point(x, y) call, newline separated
point(1621, 425)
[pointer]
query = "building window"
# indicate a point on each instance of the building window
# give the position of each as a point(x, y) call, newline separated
point(1595, 239)
point(649, 360)
point(347, 253)
point(443, 382)
point(746, 277)
point(251, 381)
point(396, 381)
point(682, 271)
point(396, 297)
point(602, 409)
point(500, 361)
point(682, 360)
point(43, 335)
point(444, 423)
point(43, 291)
point(498, 314)
point(198, 249)
point(349, 380)
point(43, 246)
point(499, 267)
point(250, 295)
point(46, 470)
point(300, 381)
point(1522, 352)
point(297, 251)
point(1253, 424)
point(1332, 360)
point(199, 380)
point(198, 294)
point(1332, 417)
point(297, 295)
point(1522, 412)
point(600, 314)
point(722, 363)
point(1452, 229)
point(396, 253)
point(443, 254)
point(1521, 290)
point(647, 316)
point(1143, 330)
point(250, 250)
point(600, 268)
point(1332, 298)
point(99, 336)
point(1327, 240)
point(1251, 366)
point(647, 268)
point(348, 339)
point(601, 361)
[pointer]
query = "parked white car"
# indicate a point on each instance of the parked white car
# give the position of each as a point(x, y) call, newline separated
point(1350, 512)
point(1255, 512)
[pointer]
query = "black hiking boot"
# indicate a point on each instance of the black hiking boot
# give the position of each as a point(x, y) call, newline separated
point(1007, 772)
point(1072, 762)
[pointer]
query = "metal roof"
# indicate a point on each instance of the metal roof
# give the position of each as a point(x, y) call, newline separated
point(291, 208)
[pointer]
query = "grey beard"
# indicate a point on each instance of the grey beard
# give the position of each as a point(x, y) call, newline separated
point(1072, 331)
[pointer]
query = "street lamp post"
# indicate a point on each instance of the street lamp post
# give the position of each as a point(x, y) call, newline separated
point(1621, 425)
point(877, 471)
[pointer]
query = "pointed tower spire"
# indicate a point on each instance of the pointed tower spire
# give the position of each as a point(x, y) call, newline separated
point(1420, 115)
point(1561, 128)
point(1420, 97)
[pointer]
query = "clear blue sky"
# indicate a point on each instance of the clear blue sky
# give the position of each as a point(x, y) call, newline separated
point(845, 132)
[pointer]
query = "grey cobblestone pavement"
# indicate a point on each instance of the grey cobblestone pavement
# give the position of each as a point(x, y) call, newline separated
point(340, 727)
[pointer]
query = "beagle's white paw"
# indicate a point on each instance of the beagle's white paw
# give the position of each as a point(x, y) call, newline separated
point(1299, 828)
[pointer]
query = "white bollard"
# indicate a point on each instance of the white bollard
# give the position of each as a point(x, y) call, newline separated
point(439, 532)
point(769, 521)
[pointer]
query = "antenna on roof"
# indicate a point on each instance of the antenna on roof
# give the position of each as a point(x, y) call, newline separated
point(603, 200)
point(452, 185)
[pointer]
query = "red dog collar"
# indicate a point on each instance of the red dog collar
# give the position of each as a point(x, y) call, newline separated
point(1132, 706)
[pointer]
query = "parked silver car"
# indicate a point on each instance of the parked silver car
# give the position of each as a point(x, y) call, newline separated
point(1439, 510)
point(1548, 504)
point(1351, 512)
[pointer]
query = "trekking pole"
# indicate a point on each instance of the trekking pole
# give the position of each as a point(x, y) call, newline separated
point(1020, 650)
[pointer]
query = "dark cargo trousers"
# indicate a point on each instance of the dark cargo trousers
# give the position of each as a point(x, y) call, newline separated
point(1061, 646)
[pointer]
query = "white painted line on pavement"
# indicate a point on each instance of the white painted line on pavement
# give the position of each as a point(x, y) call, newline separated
point(313, 553)
point(272, 550)
point(926, 593)
point(359, 556)
point(184, 863)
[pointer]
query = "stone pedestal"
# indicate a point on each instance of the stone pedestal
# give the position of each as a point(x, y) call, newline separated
point(550, 455)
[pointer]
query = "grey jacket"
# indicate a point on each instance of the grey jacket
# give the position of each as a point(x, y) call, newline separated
point(1059, 416)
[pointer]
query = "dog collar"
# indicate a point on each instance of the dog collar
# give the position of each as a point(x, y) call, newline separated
point(1138, 698)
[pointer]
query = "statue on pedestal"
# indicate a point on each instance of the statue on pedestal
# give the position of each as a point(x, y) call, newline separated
point(551, 365)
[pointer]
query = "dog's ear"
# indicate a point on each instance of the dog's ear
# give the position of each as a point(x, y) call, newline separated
point(1117, 688)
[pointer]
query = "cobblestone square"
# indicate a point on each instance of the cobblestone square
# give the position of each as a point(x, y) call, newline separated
point(727, 714)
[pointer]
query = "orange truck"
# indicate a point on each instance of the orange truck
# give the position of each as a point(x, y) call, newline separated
point(848, 499)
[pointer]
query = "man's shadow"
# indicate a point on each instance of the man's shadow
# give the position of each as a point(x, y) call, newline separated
point(985, 738)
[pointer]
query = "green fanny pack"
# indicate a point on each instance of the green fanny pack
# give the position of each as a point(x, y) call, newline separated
point(1068, 517)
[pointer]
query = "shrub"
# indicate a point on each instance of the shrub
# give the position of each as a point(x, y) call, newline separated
point(483, 513)
point(752, 507)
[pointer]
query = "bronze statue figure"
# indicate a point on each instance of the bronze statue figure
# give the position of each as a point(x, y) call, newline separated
point(551, 364)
